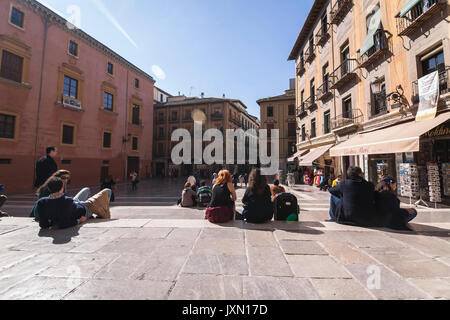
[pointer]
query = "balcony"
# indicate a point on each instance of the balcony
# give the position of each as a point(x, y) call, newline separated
point(300, 69)
point(324, 92)
point(344, 73)
point(418, 15)
point(301, 112)
point(217, 116)
point(347, 119)
point(377, 51)
point(340, 10)
point(444, 84)
point(309, 54)
point(236, 122)
point(323, 34)
point(311, 103)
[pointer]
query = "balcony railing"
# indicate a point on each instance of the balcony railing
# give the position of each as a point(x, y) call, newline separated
point(309, 54)
point(353, 117)
point(343, 73)
point(302, 112)
point(444, 84)
point(300, 67)
point(379, 106)
point(311, 102)
point(417, 16)
point(373, 54)
point(324, 91)
point(216, 116)
point(323, 34)
point(340, 10)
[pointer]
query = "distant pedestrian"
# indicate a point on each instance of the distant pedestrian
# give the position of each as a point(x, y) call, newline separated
point(46, 166)
point(246, 179)
point(134, 180)
point(241, 180)
point(3, 199)
point(109, 183)
point(215, 176)
point(192, 182)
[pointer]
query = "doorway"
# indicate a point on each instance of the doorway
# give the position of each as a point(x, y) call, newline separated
point(133, 165)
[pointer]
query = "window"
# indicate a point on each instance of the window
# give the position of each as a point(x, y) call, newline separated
point(313, 128)
point(303, 132)
point(347, 108)
point(107, 140)
point(70, 87)
point(270, 112)
point(434, 63)
point(302, 99)
point(174, 115)
point(136, 83)
point(291, 110)
point(161, 98)
point(73, 48)
point(12, 66)
point(136, 115)
point(292, 127)
point(110, 68)
point(161, 132)
point(7, 126)
point(325, 78)
point(324, 20)
point(17, 17)
point(135, 145)
point(312, 88)
point(68, 134)
point(379, 101)
point(327, 122)
point(108, 101)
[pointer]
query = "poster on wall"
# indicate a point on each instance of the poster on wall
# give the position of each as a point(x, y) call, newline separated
point(428, 96)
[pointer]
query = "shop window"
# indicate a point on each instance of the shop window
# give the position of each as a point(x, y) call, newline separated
point(17, 17)
point(70, 87)
point(135, 144)
point(73, 48)
point(68, 134)
point(7, 126)
point(110, 68)
point(12, 66)
point(136, 115)
point(107, 140)
point(108, 101)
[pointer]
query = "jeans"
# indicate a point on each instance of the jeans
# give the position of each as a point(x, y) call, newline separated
point(84, 195)
point(334, 201)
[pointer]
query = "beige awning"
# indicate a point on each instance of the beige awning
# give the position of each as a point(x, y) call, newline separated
point(298, 155)
point(310, 158)
point(397, 139)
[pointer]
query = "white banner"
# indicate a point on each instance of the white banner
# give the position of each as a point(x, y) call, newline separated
point(428, 96)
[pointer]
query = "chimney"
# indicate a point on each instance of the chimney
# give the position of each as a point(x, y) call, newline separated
point(203, 95)
point(223, 96)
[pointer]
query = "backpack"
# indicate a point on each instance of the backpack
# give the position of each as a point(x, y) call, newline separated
point(205, 195)
point(219, 214)
point(286, 207)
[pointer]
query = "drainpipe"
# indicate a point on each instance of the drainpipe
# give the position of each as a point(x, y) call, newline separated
point(40, 96)
point(126, 130)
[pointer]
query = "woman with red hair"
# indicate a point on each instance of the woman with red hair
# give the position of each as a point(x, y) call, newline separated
point(222, 207)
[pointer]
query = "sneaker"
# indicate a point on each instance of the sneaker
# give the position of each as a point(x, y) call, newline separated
point(3, 214)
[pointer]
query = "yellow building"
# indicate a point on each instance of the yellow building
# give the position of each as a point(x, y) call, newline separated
point(358, 64)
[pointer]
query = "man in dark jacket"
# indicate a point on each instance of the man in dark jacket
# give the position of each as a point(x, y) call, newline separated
point(357, 200)
point(45, 167)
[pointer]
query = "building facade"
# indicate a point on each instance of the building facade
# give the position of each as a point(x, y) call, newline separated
point(280, 113)
point(160, 96)
point(178, 113)
point(60, 87)
point(358, 65)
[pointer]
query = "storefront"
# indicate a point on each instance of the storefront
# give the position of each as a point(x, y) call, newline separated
point(416, 153)
point(316, 165)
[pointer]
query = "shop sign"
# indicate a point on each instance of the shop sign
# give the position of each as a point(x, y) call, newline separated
point(428, 96)
point(441, 131)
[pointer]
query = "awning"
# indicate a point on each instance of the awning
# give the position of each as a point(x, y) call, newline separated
point(309, 159)
point(298, 155)
point(397, 139)
point(374, 25)
point(409, 4)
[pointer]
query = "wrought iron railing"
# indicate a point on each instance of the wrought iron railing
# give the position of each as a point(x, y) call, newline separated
point(381, 44)
point(322, 34)
point(340, 10)
point(354, 116)
point(311, 102)
point(309, 53)
point(417, 16)
point(324, 89)
point(301, 67)
point(444, 84)
point(301, 111)
point(345, 69)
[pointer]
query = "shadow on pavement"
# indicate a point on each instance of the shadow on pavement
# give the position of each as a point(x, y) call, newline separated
point(60, 236)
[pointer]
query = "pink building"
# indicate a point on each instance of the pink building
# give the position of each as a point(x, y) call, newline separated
point(60, 87)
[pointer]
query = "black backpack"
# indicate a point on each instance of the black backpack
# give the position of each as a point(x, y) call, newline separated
point(286, 207)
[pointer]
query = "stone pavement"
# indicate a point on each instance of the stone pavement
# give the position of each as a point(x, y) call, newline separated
point(151, 251)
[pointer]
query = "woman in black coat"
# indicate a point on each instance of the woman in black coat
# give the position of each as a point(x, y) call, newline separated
point(258, 206)
point(388, 204)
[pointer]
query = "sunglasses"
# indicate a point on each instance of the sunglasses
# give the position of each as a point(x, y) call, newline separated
point(65, 178)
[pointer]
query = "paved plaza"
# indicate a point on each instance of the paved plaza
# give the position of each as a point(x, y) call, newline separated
point(152, 249)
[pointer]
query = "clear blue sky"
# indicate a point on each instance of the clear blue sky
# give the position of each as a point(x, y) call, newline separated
point(236, 47)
